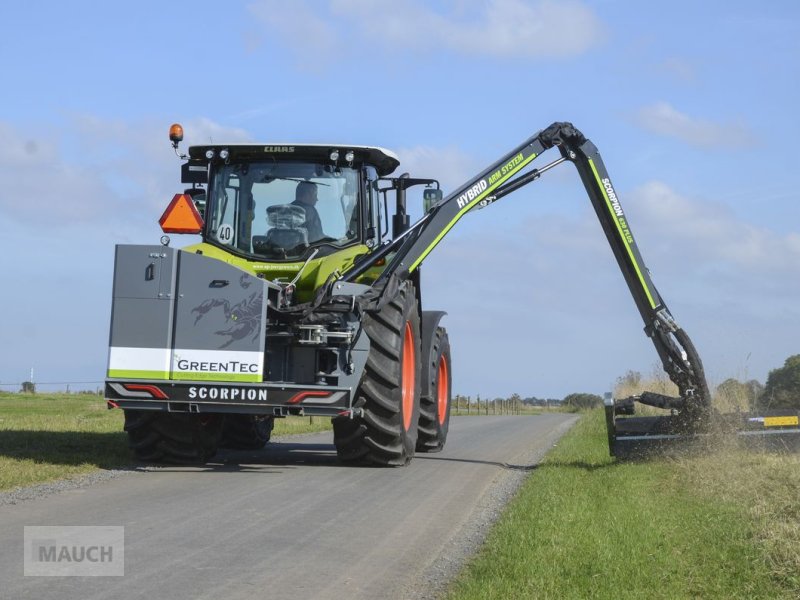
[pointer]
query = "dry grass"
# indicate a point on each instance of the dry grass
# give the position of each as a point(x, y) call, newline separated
point(766, 484)
point(657, 382)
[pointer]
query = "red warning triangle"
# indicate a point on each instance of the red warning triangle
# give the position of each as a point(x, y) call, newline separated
point(181, 216)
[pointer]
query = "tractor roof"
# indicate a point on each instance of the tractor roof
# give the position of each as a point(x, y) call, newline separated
point(384, 161)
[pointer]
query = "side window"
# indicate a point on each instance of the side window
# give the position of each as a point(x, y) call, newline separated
point(224, 224)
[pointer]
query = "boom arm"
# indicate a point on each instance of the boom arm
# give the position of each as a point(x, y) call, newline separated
point(676, 351)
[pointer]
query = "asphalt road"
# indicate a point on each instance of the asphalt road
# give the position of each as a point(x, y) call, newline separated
point(290, 522)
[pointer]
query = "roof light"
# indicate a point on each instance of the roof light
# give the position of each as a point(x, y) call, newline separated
point(349, 156)
point(224, 154)
point(181, 216)
point(176, 134)
point(209, 154)
point(334, 155)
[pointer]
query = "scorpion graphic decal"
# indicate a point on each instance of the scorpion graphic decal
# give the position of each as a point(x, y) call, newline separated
point(244, 317)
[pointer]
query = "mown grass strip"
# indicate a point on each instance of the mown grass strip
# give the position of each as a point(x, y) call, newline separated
point(584, 526)
point(44, 437)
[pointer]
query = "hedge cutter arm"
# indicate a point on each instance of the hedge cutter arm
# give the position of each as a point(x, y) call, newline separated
point(514, 171)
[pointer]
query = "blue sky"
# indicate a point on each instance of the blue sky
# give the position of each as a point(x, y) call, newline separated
point(693, 106)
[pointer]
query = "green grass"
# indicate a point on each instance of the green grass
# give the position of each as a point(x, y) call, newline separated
point(584, 526)
point(44, 437)
point(293, 425)
point(50, 436)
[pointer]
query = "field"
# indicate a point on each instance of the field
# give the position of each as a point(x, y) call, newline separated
point(720, 525)
point(44, 437)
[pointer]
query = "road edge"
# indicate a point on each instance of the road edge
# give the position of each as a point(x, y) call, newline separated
point(436, 577)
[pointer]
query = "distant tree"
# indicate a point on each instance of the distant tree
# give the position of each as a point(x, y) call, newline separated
point(28, 387)
point(582, 401)
point(783, 385)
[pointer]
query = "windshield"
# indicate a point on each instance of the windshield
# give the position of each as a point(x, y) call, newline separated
point(278, 210)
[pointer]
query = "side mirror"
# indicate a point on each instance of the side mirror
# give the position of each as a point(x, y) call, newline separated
point(430, 198)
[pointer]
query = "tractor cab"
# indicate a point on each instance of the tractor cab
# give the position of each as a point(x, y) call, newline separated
point(293, 214)
point(284, 202)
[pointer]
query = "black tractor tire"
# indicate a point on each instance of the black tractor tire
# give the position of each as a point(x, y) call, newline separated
point(246, 432)
point(384, 430)
point(434, 407)
point(177, 438)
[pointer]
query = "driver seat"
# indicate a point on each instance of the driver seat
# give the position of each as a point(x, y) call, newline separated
point(286, 226)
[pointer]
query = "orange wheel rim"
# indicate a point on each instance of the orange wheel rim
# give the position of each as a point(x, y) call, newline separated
point(442, 389)
point(409, 376)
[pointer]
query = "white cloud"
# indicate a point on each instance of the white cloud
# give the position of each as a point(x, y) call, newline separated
point(124, 173)
point(541, 29)
point(708, 231)
point(40, 188)
point(664, 119)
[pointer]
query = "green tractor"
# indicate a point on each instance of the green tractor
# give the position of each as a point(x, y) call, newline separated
point(209, 344)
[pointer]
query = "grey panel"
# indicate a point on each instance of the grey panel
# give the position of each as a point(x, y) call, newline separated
point(141, 314)
point(141, 323)
point(218, 306)
point(139, 271)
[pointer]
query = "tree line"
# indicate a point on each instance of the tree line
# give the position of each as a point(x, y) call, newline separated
point(782, 389)
point(515, 403)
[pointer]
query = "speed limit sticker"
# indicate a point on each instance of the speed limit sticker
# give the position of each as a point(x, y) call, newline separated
point(225, 234)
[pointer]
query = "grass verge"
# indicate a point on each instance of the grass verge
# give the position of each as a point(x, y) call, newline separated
point(51, 436)
point(44, 437)
point(584, 526)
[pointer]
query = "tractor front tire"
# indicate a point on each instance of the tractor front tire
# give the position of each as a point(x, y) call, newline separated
point(177, 438)
point(246, 432)
point(434, 411)
point(383, 430)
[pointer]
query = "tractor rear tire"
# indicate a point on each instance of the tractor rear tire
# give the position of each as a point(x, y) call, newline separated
point(177, 438)
point(384, 429)
point(246, 432)
point(434, 407)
